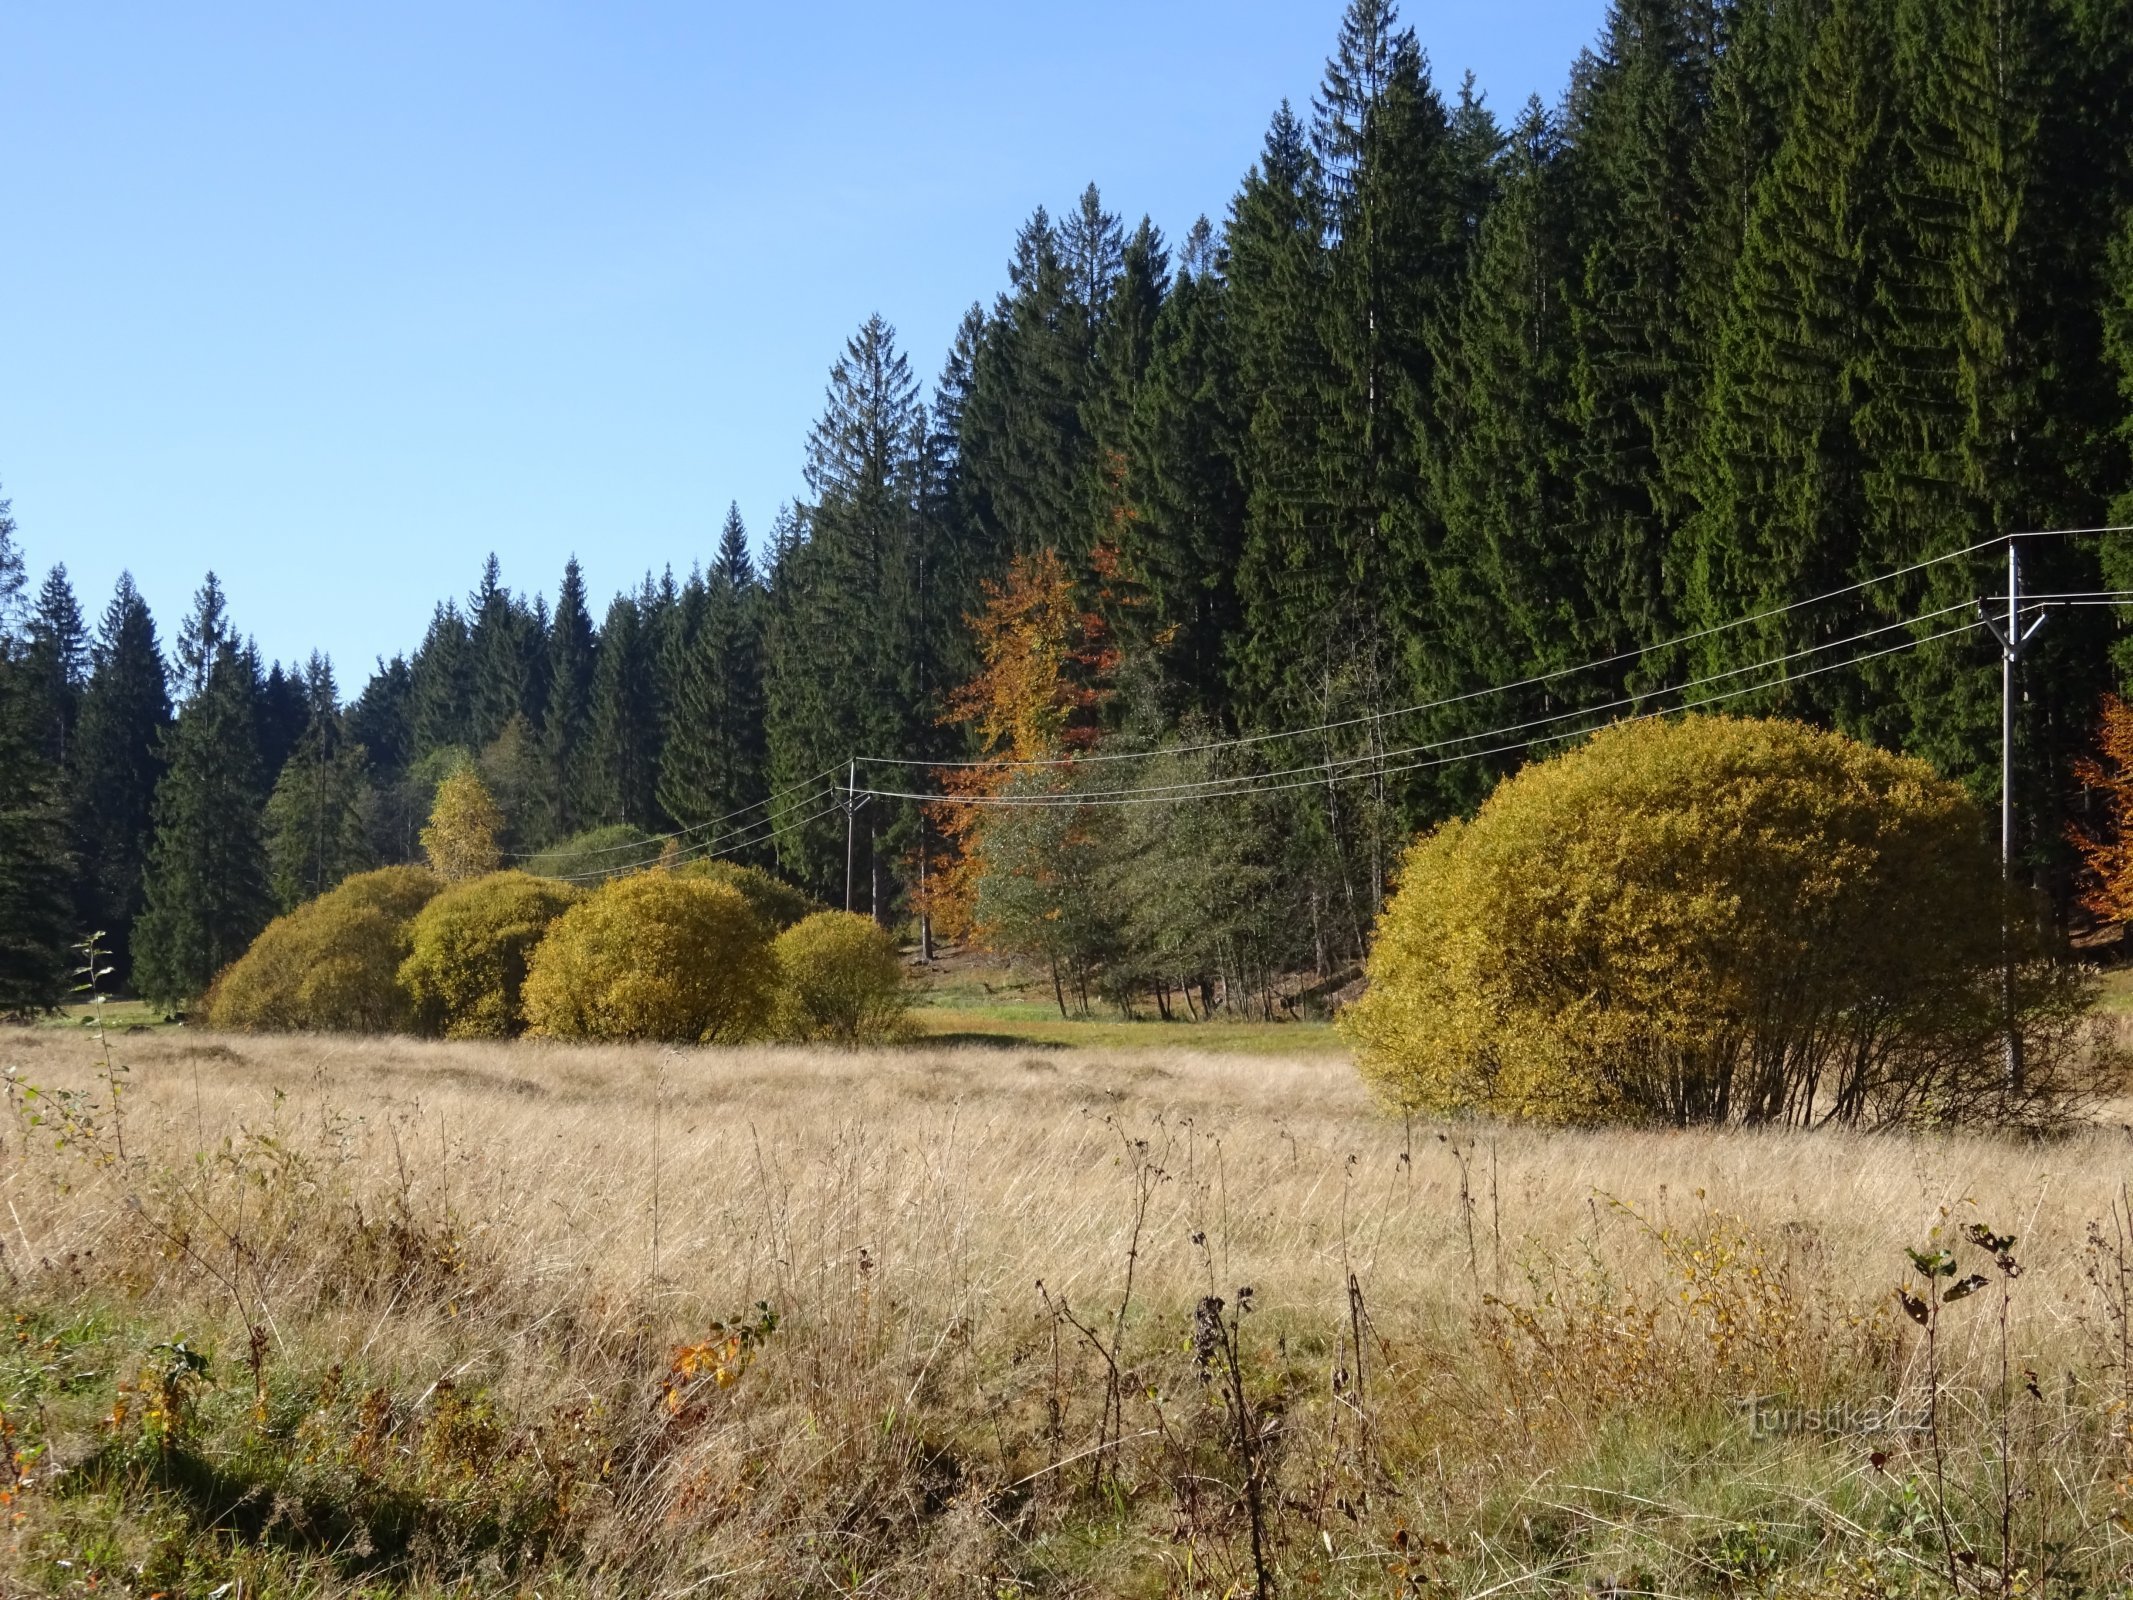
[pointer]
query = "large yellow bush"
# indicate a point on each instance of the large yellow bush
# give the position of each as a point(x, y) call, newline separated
point(840, 980)
point(654, 956)
point(1709, 919)
point(331, 965)
point(776, 903)
point(471, 946)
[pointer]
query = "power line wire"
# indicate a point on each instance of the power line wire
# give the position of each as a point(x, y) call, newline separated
point(1506, 688)
point(694, 827)
point(1326, 770)
point(1246, 785)
point(715, 847)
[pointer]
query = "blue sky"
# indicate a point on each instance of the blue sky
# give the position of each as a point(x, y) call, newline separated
point(337, 300)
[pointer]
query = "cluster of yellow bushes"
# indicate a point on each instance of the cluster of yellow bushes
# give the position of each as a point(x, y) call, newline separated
point(709, 954)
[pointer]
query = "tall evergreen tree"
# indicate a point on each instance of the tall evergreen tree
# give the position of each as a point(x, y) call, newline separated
point(621, 779)
point(201, 638)
point(117, 764)
point(1638, 391)
point(566, 731)
point(1024, 436)
point(35, 909)
point(504, 647)
point(56, 658)
point(315, 818)
point(284, 710)
point(1508, 590)
point(714, 762)
point(1782, 477)
point(207, 890)
point(1276, 277)
point(1185, 472)
point(440, 684)
point(842, 652)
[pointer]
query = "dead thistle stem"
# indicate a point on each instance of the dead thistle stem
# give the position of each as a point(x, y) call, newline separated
point(1496, 1214)
point(1218, 1348)
point(1111, 1424)
point(92, 972)
point(1466, 1204)
point(659, 1093)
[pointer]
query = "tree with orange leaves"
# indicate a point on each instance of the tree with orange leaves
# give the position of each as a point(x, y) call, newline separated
point(2107, 850)
point(1046, 660)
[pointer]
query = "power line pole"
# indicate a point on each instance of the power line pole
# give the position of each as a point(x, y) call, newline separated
point(2013, 640)
point(851, 821)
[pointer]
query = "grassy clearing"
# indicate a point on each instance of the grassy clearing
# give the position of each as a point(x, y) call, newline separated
point(382, 1317)
point(964, 1000)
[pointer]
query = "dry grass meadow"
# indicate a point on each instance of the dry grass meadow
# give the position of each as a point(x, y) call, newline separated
point(326, 1317)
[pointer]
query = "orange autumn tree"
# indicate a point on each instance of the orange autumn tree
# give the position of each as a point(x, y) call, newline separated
point(2107, 849)
point(1046, 660)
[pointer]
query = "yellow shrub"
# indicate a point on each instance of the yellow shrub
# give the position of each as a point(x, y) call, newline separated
point(471, 946)
point(1708, 919)
point(331, 965)
point(839, 979)
point(653, 956)
point(776, 903)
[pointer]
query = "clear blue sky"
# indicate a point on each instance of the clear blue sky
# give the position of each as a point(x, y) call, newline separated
point(335, 300)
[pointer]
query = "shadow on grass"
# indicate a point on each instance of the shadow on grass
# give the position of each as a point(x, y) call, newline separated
point(988, 1041)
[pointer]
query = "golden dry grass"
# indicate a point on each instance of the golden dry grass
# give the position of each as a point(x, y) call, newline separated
point(502, 1293)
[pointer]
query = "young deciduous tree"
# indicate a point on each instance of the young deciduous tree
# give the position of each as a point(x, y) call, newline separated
point(461, 839)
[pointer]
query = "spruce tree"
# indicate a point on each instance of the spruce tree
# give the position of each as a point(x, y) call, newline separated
point(56, 658)
point(35, 873)
point(440, 684)
point(714, 762)
point(1638, 391)
point(1276, 276)
point(117, 764)
point(621, 778)
point(566, 732)
point(1508, 590)
point(284, 710)
point(1024, 437)
point(202, 637)
point(1781, 475)
point(1185, 473)
point(839, 667)
point(504, 646)
point(207, 890)
point(316, 817)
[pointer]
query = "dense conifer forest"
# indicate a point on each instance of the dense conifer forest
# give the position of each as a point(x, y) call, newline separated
point(1779, 297)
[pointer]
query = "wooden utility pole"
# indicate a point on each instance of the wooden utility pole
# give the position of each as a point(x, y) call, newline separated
point(2013, 639)
point(851, 826)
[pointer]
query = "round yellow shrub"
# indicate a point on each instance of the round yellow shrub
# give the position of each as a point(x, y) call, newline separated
point(776, 903)
point(840, 980)
point(330, 966)
point(1708, 919)
point(471, 945)
point(654, 956)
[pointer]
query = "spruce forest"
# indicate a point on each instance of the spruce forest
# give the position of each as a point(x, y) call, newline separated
point(1527, 417)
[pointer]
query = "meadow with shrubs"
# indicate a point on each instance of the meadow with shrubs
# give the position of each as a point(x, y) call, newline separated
point(1673, 1231)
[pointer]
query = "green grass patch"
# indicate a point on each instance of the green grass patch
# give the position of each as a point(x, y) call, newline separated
point(1008, 1023)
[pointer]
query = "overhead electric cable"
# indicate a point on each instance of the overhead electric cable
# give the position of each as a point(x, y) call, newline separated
point(694, 827)
point(715, 847)
point(1505, 688)
point(1321, 771)
point(1250, 784)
